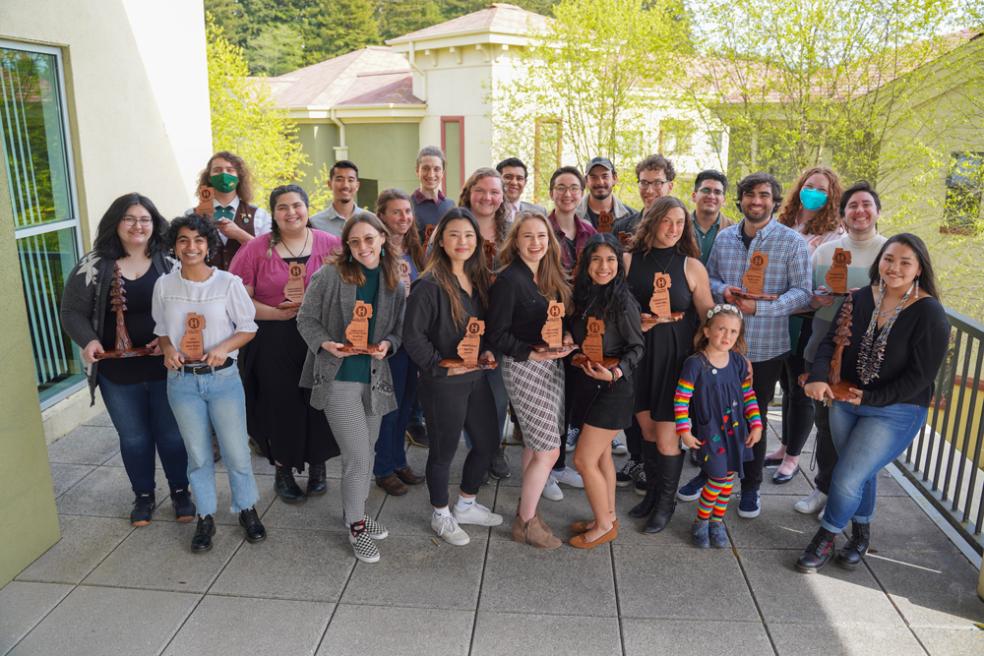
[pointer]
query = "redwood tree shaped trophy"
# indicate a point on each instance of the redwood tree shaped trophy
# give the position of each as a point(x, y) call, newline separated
point(117, 301)
point(754, 279)
point(593, 347)
point(842, 339)
point(659, 303)
point(357, 332)
point(469, 348)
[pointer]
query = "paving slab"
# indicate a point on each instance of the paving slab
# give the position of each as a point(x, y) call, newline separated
point(952, 642)
point(834, 596)
point(507, 634)
point(105, 492)
point(233, 626)
point(856, 640)
point(419, 572)
point(677, 583)
point(109, 622)
point(322, 513)
point(692, 638)
point(565, 581)
point(23, 606)
point(289, 564)
point(264, 484)
point(158, 557)
point(411, 513)
point(395, 630)
point(86, 445)
point(102, 419)
point(84, 543)
point(557, 514)
point(64, 476)
point(778, 527)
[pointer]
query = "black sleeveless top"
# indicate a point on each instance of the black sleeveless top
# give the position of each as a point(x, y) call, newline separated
point(660, 260)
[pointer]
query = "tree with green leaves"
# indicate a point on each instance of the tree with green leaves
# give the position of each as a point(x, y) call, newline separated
point(336, 27)
point(398, 17)
point(244, 119)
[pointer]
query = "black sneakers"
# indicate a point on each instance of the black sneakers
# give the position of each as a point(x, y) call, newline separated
point(143, 509)
point(184, 507)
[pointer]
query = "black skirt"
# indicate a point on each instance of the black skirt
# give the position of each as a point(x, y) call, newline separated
point(600, 404)
point(279, 416)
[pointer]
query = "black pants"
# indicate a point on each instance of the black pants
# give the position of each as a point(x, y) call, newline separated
point(633, 440)
point(797, 407)
point(450, 405)
point(569, 372)
point(765, 375)
point(826, 453)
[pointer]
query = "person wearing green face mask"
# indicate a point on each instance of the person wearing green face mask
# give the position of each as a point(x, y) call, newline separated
point(811, 208)
point(237, 220)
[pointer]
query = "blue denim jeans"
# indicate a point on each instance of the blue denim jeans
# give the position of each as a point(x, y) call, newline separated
point(391, 454)
point(866, 438)
point(144, 421)
point(201, 402)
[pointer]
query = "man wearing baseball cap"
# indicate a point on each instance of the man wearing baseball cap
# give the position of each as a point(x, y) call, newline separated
point(601, 178)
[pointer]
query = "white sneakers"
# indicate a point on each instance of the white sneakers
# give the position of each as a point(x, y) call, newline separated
point(618, 447)
point(811, 504)
point(568, 476)
point(447, 527)
point(552, 491)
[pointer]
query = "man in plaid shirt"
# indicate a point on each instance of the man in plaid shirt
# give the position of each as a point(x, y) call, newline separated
point(787, 276)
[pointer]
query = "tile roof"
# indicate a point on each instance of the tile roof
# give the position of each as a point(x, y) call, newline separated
point(499, 17)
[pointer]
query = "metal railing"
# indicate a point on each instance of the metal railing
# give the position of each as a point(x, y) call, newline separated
point(945, 460)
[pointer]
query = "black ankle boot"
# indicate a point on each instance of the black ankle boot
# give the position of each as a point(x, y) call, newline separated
point(668, 473)
point(817, 553)
point(317, 479)
point(850, 556)
point(286, 487)
point(650, 459)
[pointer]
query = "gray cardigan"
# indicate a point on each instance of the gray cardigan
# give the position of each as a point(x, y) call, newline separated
point(84, 301)
point(326, 310)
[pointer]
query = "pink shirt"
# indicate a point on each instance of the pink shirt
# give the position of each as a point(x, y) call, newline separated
point(267, 274)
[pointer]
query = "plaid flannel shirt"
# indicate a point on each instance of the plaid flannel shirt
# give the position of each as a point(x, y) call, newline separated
point(787, 275)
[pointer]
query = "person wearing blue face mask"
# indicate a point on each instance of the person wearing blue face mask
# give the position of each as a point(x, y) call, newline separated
point(811, 209)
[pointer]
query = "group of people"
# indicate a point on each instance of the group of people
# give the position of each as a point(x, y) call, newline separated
point(312, 336)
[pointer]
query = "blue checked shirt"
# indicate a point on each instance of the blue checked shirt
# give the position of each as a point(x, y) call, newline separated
point(787, 275)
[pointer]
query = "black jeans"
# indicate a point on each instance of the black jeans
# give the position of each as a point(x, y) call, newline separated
point(765, 375)
point(451, 404)
point(797, 408)
point(826, 453)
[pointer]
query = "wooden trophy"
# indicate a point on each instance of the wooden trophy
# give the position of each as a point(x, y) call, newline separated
point(468, 349)
point(428, 231)
point(205, 206)
point(659, 303)
point(842, 339)
point(404, 267)
point(124, 345)
point(836, 277)
point(193, 342)
point(753, 281)
point(294, 289)
point(592, 348)
point(625, 238)
point(605, 221)
point(553, 330)
point(357, 332)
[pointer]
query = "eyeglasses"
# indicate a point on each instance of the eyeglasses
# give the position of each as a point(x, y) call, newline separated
point(707, 191)
point(646, 184)
point(573, 189)
point(133, 220)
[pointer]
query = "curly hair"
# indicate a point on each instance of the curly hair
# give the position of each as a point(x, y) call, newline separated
point(197, 223)
point(464, 200)
point(245, 187)
point(827, 219)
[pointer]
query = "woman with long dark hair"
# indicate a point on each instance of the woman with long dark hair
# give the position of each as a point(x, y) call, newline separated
point(898, 340)
point(603, 396)
point(451, 295)
point(664, 244)
point(129, 239)
point(355, 390)
point(292, 435)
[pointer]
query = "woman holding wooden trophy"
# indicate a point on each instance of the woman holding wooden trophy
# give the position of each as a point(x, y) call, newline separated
point(525, 323)
point(443, 333)
point(352, 320)
point(667, 278)
point(276, 268)
point(607, 324)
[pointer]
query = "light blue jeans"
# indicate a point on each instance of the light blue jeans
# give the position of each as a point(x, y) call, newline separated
point(201, 402)
point(866, 438)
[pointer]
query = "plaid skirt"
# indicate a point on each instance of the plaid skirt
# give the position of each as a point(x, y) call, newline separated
point(536, 391)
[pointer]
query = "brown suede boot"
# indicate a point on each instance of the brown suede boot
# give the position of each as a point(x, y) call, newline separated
point(539, 535)
point(519, 530)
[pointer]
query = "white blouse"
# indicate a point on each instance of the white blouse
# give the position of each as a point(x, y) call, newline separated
point(222, 299)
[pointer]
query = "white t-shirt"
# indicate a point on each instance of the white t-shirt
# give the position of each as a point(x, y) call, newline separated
point(222, 299)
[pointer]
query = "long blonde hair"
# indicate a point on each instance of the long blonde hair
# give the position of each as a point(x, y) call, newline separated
point(551, 279)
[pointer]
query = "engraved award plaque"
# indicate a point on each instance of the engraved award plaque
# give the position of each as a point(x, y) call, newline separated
point(294, 289)
point(605, 222)
point(659, 303)
point(836, 277)
point(468, 348)
point(428, 231)
point(205, 206)
point(117, 301)
point(754, 279)
point(592, 348)
point(553, 329)
point(357, 332)
point(404, 268)
point(842, 339)
point(193, 342)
